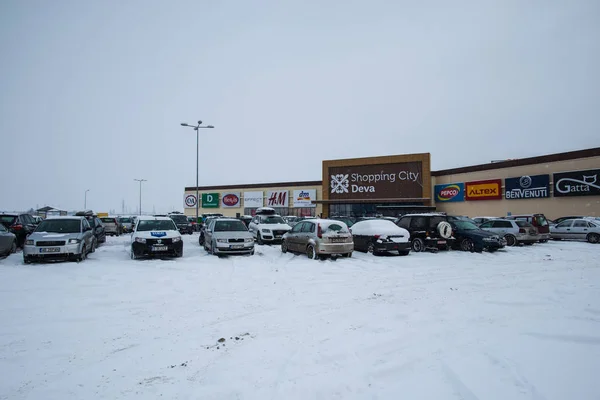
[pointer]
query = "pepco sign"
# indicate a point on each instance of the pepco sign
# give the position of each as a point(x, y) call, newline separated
point(484, 190)
point(450, 192)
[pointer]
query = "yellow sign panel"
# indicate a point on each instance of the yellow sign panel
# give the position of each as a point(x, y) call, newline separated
point(484, 190)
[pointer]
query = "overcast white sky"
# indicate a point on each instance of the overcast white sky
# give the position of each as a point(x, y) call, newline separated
point(92, 93)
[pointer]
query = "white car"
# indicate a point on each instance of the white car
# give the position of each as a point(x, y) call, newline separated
point(267, 226)
point(155, 236)
point(577, 229)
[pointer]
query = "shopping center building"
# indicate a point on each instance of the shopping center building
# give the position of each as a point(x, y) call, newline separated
point(555, 185)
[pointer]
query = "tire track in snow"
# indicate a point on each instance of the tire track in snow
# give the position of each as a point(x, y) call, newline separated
point(519, 380)
point(459, 386)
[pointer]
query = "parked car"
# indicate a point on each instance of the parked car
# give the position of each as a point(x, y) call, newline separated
point(8, 241)
point(155, 236)
point(380, 235)
point(539, 221)
point(195, 224)
point(205, 226)
point(577, 229)
point(111, 226)
point(514, 231)
point(292, 220)
point(97, 226)
point(60, 238)
point(561, 219)
point(206, 215)
point(347, 220)
point(480, 220)
point(21, 224)
point(469, 237)
point(182, 223)
point(127, 223)
point(228, 236)
point(428, 231)
point(246, 219)
point(318, 238)
point(267, 226)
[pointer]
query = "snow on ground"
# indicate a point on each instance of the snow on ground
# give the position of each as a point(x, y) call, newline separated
point(523, 323)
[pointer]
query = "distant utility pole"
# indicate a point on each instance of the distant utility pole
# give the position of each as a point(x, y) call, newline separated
point(140, 181)
point(123, 206)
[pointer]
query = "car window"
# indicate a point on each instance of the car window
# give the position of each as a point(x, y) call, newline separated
point(565, 224)
point(486, 225)
point(502, 224)
point(26, 218)
point(108, 220)
point(7, 219)
point(59, 226)
point(590, 225)
point(229, 226)
point(435, 221)
point(580, 224)
point(540, 220)
point(308, 227)
point(523, 224)
point(298, 227)
point(418, 223)
point(2, 228)
point(334, 228)
point(404, 222)
point(85, 224)
point(156, 225)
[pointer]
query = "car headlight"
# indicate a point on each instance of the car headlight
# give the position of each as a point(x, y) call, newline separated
point(249, 240)
point(74, 241)
point(265, 230)
point(221, 240)
point(29, 242)
point(140, 240)
point(177, 239)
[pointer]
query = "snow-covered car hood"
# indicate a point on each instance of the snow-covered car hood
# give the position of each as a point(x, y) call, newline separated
point(156, 234)
point(378, 227)
point(278, 227)
point(35, 236)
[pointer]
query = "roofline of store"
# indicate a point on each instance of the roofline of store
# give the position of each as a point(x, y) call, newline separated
point(569, 155)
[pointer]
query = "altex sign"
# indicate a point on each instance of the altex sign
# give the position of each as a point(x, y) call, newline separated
point(484, 190)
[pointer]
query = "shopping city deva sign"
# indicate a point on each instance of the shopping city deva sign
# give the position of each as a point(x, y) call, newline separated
point(366, 183)
point(484, 190)
point(449, 193)
point(527, 187)
point(577, 183)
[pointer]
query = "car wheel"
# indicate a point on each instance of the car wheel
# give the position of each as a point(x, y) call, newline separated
point(510, 240)
point(284, 247)
point(467, 245)
point(93, 249)
point(418, 245)
point(83, 254)
point(371, 248)
point(13, 247)
point(132, 255)
point(593, 238)
point(404, 252)
point(543, 240)
point(347, 255)
point(259, 239)
point(311, 252)
point(26, 260)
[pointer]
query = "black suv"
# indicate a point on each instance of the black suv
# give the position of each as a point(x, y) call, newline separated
point(427, 231)
point(183, 225)
point(96, 225)
point(19, 224)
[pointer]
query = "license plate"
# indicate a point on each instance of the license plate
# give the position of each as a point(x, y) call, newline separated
point(441, 242)
point(278, 236)
point(338, 240)
point(237, 246)
point(50, 250)
point(159, 248)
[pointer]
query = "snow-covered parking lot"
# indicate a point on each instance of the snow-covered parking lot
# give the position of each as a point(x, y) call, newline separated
point(521, 323)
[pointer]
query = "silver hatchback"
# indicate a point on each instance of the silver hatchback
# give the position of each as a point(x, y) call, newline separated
point(228, 236)
point(318, 238)
point(514, 231)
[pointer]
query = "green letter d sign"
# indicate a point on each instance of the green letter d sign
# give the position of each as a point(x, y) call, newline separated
point(210, 200)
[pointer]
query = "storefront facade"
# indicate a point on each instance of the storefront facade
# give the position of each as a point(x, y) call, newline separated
point(555, 185)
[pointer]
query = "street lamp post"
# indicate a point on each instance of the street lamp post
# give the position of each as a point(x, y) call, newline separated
point(85, 199)
point(197, 129)
point(140, 181)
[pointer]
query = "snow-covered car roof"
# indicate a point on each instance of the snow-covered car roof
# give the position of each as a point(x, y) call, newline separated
point(65, 217)
point(424, 215)
point(152, 218)
point(488, 217)
point(373, 227)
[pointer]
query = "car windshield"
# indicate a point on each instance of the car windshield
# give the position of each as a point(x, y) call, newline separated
point(180, 219)
point(334, 227)
point(465, 225)
point(228, 226)
point(275, 219)
point(109, 220)
point(156, 225)
point(59, 226)
point(7, 219)
point(125, 220)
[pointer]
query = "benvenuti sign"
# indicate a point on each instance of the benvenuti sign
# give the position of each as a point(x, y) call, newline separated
point(377, 181)
point(484, 190)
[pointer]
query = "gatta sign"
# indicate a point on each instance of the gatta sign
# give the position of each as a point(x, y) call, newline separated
point(484, 190)
point(401, 180)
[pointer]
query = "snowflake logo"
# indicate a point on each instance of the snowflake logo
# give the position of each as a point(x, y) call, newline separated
point(339, 183)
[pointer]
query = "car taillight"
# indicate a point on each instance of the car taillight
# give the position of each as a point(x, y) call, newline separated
point(376, 236)
point(522, 230)
point(17, 227)
point(319, 231)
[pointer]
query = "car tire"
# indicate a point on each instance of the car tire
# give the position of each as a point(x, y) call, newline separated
point(371, 248)
point(593, 238)
point(13, 247)
point(467, 245)
point(543, 240)
point(404, 252)
point(259, 239)
point(418, 245)
point(444, 229)
point(510, 240)
point(311, 252)
point(284, 247)
point(26, 260)
point(83, 255)
point(347, 255)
